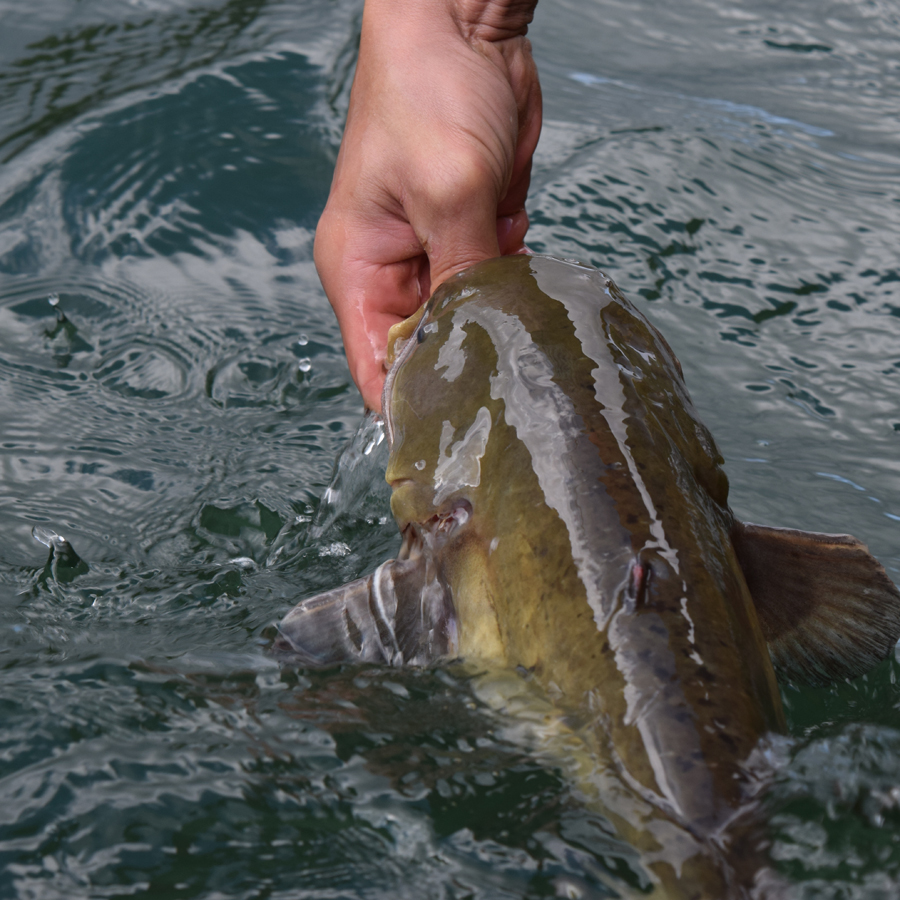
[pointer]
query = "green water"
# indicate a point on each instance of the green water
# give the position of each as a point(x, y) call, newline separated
point(162, 167)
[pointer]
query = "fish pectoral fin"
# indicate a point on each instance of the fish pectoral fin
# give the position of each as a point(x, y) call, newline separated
point(398, 615)
point(826, 606)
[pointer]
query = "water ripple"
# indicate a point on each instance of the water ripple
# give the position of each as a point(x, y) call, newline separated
point(175, 412)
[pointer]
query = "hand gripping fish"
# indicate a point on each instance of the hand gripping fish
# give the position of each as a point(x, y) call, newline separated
point(564, 514)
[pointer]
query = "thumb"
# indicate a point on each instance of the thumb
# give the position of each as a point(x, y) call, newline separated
point(511, 232)
point(509, 238)
point(460, 233)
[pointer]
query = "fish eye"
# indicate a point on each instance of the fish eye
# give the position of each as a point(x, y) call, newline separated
point(425, 329)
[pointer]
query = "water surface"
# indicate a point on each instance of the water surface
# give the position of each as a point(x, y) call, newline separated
point(173, 394)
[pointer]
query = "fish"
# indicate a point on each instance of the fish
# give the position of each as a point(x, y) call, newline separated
point(564, 517)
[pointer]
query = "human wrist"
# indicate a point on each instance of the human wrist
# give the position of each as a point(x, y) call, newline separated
point(493, 20)
point(474, 20)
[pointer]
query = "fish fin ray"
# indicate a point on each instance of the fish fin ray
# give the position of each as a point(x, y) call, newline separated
point(331, 628)
point(398, 615)
point(827, 608)
point(425, 623)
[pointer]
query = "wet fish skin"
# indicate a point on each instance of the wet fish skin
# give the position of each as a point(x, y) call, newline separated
point(597, 555)
point(565, 513)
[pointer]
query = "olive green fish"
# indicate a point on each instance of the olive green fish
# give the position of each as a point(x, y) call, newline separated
point(564, 514)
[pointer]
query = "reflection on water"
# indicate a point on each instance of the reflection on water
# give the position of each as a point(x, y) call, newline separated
point(85, 58)
point(174, 395)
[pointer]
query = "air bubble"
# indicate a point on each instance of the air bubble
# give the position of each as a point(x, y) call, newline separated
point(303, 340)
point(420, 464)
point(304, 365)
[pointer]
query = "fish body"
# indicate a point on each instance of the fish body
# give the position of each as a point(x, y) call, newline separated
point(565, 514)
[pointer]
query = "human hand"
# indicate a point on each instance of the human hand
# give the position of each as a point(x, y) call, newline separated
point(434, 166)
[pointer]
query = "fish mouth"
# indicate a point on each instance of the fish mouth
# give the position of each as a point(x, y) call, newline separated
point(431, 535)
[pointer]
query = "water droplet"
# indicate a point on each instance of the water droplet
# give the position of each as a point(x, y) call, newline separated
point(377, 438)
point(303, 340)
point(420, 464)
point(53, 300)
point(304, 365)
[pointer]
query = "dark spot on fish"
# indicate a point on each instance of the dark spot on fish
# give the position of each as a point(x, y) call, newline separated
point(420, 335)
point(704, 674)
point(689, 762)
point(726, 738)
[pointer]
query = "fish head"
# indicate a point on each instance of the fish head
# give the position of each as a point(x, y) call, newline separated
point(461, 486)
point(448, 449)
point(439, 416)
point(494, 467)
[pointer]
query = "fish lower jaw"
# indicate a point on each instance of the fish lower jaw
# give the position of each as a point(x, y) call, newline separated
point(434, 531)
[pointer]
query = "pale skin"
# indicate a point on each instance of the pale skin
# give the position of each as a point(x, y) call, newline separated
point(434, 166)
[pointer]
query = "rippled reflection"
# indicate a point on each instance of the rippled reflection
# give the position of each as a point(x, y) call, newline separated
point(173, 395)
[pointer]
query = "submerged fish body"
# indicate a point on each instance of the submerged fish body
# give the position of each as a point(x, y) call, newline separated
point(564, 513)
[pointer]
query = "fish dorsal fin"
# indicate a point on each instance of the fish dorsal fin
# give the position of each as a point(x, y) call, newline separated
point(826, 606)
